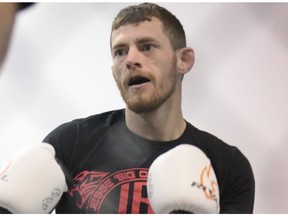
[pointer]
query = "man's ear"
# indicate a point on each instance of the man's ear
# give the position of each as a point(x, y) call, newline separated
point(185, 60)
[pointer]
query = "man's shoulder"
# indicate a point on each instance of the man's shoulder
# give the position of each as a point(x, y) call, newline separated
point(88, 124)
point(105, 118)
point(207, 138)
point(215, 147)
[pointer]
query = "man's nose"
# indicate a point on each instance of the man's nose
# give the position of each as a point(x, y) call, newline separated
point(133, 59)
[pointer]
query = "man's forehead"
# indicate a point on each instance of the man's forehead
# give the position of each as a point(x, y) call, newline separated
point(150, 19)
point(146, 29)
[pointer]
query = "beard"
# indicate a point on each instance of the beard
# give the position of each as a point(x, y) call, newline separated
point(141, 102)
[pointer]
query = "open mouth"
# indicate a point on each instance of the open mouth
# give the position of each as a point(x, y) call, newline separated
point(138, 80)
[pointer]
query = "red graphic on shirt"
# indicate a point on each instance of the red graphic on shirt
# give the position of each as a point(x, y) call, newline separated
point(91, 189)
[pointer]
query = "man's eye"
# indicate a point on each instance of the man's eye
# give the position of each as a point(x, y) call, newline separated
point(119, 52)
point(147, 47)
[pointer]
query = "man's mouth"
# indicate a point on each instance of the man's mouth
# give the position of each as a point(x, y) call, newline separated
point(138, 80)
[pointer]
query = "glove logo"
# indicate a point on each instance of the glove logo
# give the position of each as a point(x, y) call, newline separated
point(206, 179)
point(3, 175)
point(207, 183)
point(47, 201)
point(4, 178)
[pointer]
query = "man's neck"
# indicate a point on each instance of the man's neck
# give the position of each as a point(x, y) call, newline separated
point(161, 125)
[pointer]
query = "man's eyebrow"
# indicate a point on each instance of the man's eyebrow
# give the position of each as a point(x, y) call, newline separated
point(145, 40)
point(139, 40)
point(117, 46)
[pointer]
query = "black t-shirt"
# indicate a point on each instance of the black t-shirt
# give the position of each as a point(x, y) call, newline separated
point(109, 166)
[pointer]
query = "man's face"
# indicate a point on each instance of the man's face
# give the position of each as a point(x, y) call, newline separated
point(144, 65)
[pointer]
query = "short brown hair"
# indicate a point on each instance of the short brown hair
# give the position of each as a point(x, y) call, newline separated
point(144, 12)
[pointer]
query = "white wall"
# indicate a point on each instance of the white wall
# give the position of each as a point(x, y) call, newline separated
point(59, 68)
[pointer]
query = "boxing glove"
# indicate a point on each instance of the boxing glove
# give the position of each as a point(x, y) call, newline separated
point(32, 181)
point(182, 180)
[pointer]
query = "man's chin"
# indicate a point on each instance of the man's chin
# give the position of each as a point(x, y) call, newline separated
point(140, 108)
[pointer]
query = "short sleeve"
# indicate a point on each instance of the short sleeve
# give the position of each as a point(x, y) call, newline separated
point(238, 185)
point(63, 140)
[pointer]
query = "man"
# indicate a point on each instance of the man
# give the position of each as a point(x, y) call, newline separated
point(108, 155)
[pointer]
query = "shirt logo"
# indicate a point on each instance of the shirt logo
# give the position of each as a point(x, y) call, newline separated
point(125, 190)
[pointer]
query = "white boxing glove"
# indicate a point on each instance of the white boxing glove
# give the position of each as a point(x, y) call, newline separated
point(182, 180)
point(32, 181)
